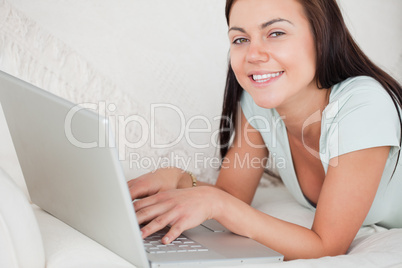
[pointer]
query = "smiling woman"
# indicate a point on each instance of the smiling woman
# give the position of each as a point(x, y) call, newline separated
point(135, 54)
point(334, 117)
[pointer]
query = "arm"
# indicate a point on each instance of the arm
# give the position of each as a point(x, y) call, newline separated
point(346, 197)
point(238, 179)
point(243, 165)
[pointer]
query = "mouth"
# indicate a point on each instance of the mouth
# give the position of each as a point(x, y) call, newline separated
point(261, 78)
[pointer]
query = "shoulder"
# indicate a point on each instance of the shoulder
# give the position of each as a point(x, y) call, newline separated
point(360, 114)
point(359, 89)
point(360, 96)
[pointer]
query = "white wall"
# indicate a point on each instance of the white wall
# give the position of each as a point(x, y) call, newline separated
point(377, 27)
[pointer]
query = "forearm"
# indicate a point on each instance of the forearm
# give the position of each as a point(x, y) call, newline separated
point(292, 240)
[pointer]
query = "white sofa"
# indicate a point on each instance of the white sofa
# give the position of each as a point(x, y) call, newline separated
point(132, 54)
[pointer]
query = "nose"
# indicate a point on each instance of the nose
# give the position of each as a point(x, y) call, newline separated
point(257, 52)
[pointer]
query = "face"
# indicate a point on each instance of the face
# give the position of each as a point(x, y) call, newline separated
point(272, 51)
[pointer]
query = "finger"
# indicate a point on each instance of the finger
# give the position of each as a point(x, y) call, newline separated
point(143, 203)
point(174, 232)
point(151, 212)
point(157, 224)
point(149, 201)
point(138, 188)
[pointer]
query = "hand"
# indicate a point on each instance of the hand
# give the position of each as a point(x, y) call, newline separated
point(182, 209)
point(154, 182)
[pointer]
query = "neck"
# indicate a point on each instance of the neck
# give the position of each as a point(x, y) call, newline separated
point(303, 116)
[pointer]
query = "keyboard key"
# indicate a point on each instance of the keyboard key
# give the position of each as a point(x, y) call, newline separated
point(182, 244)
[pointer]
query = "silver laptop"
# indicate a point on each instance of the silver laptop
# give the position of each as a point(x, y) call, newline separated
point(72, 171)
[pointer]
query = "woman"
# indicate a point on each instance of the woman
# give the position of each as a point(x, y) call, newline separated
point(309, 95)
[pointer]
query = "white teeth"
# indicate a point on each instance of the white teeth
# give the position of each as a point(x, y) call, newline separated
point(265, 77)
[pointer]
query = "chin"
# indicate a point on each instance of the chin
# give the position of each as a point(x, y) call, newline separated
point(267, 102)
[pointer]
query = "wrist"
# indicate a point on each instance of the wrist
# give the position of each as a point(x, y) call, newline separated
point(173, 174)
point(230, 212)
point(193, 179)
point(219, 198)
point(186, 180)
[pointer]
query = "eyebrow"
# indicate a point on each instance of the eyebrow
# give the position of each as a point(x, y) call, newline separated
point(262, 26)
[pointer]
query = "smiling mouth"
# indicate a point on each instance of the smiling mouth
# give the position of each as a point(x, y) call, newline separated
point(261, 78)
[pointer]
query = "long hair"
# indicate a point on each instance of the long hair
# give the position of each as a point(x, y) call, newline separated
point(338, 58)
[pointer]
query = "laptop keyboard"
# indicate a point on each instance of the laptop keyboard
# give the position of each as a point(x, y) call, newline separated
point(153, 244)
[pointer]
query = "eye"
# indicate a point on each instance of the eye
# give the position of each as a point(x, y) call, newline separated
point(240, 40)
point(276, 34)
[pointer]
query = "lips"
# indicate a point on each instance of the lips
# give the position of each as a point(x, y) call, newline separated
point(261, 78)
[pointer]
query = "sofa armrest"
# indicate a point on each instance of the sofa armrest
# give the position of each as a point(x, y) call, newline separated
point(21, 243)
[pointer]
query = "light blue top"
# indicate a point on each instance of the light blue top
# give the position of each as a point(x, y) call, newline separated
point(360, 115)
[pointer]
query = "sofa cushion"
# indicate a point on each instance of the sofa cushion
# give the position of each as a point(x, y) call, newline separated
point(68, 248)
point(20, 239)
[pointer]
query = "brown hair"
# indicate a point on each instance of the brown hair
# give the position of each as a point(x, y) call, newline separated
point(338, 58)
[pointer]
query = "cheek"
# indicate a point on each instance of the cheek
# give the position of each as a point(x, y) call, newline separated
point(299, 59)
point(237, 67)
point(234, 60)
point(309, 57)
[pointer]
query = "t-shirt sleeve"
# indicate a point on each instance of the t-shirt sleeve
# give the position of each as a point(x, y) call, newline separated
point(364, 119)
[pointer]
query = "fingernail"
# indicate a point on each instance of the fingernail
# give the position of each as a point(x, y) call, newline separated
point(165, 240)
